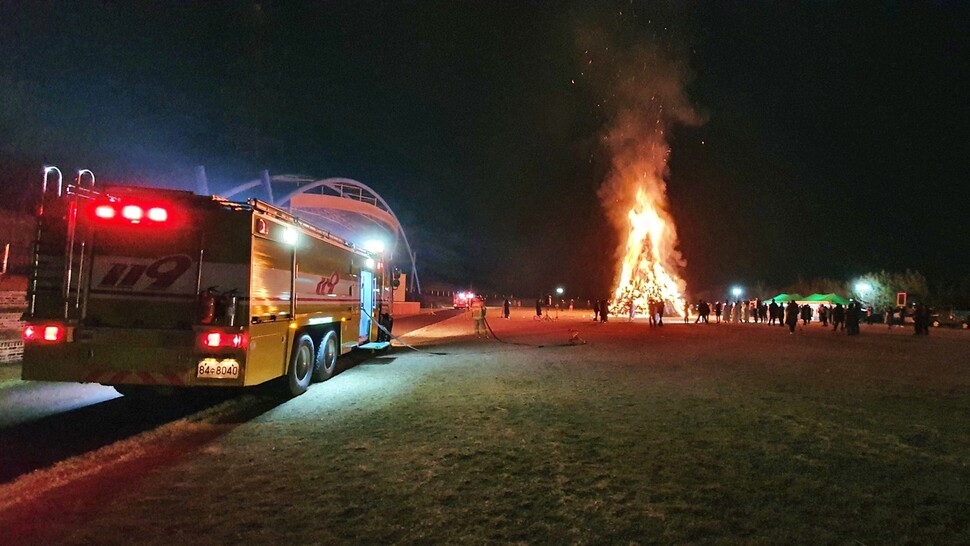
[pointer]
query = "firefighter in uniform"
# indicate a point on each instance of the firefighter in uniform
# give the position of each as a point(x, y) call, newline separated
point(477, 307)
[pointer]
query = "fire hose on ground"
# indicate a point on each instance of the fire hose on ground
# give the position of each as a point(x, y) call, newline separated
point(388, 333)
point(574, 338)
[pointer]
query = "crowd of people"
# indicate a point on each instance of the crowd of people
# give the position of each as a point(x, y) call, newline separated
point(843, 318)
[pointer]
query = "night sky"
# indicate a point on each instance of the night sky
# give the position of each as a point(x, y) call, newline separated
point(818, 139)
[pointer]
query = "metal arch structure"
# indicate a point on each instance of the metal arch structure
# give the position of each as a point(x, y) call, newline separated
point(333, 204)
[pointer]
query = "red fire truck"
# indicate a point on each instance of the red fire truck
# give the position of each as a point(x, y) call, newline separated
point(152, 289)
point(462, 299)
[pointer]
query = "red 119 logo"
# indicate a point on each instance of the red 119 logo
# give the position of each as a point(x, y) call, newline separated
point(162, 273)
point(327, 285)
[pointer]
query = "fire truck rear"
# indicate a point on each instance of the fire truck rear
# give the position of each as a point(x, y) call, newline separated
point(149, 289)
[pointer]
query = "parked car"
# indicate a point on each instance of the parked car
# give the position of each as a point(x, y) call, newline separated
point(950, 318)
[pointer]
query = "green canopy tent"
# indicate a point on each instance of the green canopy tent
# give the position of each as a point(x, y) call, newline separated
point(785, 298)
point(830, 299)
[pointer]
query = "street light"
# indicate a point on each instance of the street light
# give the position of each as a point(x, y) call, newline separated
point(374, 245)
point(559, 290)
point(736, 291)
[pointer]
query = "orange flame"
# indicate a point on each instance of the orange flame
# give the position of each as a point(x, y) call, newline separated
point(649, 259)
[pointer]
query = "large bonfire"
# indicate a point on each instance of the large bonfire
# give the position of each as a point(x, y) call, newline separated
point(635, 192)
point(649, 262)
point(648, 272)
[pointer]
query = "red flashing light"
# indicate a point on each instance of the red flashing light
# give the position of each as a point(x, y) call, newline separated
point(132, 212)
point(106, 212)
point(51, 333)
point(223, 339)
point(157, 214)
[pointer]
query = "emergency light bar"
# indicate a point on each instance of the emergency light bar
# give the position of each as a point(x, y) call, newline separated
point(134, 213)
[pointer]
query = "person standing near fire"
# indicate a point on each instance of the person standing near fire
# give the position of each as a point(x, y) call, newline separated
point(806, 312)
point(852, 313)
point(477, 307)
point(838, 318)
point(921, 319)
point(791, 316)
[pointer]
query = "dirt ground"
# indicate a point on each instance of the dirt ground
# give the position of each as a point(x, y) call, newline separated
point(560, 430)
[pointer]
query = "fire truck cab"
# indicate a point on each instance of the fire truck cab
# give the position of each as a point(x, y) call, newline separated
point(142, 288)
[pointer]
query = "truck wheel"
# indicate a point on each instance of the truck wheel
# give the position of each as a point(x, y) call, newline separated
point(326, 361)
point(301, 366)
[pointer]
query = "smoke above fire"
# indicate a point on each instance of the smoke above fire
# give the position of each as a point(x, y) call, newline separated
point(644, 97)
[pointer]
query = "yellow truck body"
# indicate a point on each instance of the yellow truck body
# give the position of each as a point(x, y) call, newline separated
point(149, 287)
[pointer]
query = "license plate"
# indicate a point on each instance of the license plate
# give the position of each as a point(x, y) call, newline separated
point(211, 368)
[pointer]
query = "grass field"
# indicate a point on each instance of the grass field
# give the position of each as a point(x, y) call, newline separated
point(719, 434)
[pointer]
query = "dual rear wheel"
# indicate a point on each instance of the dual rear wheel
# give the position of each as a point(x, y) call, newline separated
point(311, 362)
point(326, 361)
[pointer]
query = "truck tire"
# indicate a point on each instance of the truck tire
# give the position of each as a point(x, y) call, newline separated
point(301, 366)
point(326, 359)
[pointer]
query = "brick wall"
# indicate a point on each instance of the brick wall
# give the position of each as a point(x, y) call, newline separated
point(17, 230)
point(12, 306)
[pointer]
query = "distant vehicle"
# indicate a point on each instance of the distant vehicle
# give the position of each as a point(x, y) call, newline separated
point(463, 299)
point(950, 318)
